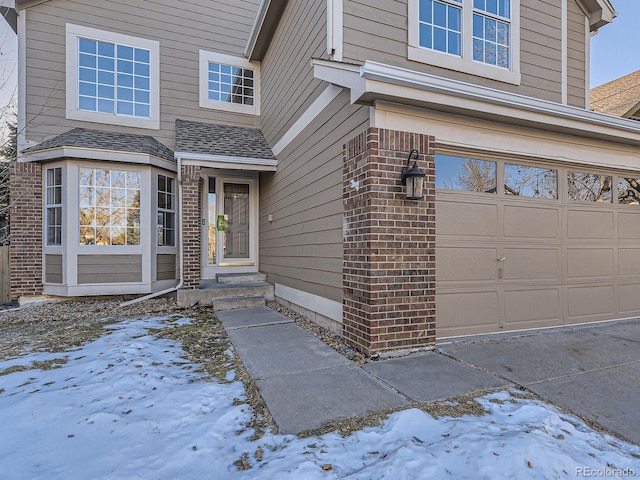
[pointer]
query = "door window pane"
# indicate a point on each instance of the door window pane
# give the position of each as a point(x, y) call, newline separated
point(211, 204)
point(236, 210)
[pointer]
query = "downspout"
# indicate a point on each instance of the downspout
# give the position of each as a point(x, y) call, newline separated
point(180, 249)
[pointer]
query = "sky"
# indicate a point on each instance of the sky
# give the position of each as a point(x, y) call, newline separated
point(614, 49)
point(132, 389)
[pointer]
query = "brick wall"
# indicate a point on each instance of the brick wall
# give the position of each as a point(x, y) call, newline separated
point(26, 229)
point(389, 244)
point(191, 228)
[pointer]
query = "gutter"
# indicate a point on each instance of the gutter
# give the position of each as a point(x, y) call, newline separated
point(180, 249)
point(377, 81)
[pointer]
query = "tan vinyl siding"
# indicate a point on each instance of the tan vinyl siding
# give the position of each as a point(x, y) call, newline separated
point(576, 56)
point(109, 268)
point(302, 247)
point(380, 34)
point(288, 86)
point(166, 267)
point(182, 30)
point(53, 268)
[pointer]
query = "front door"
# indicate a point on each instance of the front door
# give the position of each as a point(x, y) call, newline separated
point(230, 221)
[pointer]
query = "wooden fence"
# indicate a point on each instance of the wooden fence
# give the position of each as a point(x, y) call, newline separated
point(5, 294)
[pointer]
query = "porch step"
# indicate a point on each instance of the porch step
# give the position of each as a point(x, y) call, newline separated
point(236, 278)
point(211, 292)
point(231, 303)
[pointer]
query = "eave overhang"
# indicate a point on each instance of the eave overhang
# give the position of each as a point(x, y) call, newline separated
point(82, 153)
point(375, 81)
point(228, 162)
point(264, 27)
point(10, 16)
point(601, 12)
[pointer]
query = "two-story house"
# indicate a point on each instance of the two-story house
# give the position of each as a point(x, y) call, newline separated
point(163, 143)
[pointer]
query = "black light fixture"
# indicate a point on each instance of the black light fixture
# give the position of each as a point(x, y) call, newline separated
point(414, 178)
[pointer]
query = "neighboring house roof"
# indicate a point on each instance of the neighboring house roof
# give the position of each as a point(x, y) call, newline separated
point(221, 140)
point(620, 97)
point(99, 140)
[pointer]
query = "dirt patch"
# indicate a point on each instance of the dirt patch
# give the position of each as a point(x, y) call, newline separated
point(56, 327)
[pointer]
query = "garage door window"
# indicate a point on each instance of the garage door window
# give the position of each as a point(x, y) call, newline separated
point(629, 191)
point(532, 182)
point(466, 174)
point(589, 187)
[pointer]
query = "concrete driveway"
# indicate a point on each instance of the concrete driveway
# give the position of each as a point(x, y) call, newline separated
point(593, 370)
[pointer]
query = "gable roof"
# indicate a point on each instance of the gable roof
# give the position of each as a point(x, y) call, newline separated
point(620, 97)
point(82, 138)
point(221, 140)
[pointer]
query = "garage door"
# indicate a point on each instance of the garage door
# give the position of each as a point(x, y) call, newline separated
point(523, 245)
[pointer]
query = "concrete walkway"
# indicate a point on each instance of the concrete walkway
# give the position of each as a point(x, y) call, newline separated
point(306, 383)
point(592, 370)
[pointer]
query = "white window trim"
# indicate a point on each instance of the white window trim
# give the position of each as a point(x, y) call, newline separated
point(205, 102)
point(167, 210)
point(73, 113)
point(54, 249)
point(48, 205)
point(465, 63)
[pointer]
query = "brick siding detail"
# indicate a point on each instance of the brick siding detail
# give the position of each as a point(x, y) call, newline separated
point(191, 225)
point(26, 229)
point(389, 244)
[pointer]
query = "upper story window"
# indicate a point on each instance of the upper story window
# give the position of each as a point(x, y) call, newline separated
point(440, 25)
point(229, 83)
point(479, 37)
point(112, 78)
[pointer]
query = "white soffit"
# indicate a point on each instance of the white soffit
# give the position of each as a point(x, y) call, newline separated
point(228, 162)
point(376, 81)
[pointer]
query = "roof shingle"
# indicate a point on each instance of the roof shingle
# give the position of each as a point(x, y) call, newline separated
point(620, 97)
point(213, 139)
point(98, 139)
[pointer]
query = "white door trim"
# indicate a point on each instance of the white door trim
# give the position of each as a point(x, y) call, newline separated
point(241, 265)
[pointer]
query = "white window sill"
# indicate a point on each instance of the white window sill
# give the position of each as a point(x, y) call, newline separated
point(112, 119)
point(452, 62)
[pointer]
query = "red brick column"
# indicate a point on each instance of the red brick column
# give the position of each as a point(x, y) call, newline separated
point(25, 197)
point(389, 244)
point(191, 228)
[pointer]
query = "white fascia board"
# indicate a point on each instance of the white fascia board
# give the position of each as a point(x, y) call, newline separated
point(61, 153)
point(257, 26)
point(601, 12)
point(228, 162)
point(373, 81)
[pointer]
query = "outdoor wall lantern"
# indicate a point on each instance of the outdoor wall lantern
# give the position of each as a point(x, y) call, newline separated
point(413, 178)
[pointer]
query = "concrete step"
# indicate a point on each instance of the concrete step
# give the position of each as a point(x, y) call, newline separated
point(235, 278)
point(213, 291)
point(232, 303)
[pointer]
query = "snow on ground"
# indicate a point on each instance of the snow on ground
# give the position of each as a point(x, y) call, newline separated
point(127, 406)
